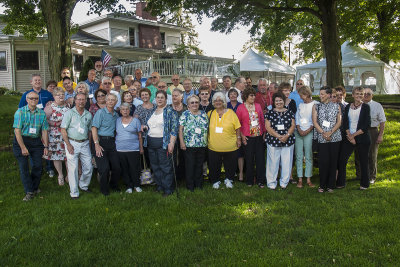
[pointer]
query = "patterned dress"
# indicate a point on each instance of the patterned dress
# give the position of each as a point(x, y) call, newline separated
point(55, 115)
point(327, 113)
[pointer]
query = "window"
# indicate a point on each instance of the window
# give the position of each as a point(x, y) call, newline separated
point(3, 60)
point(27, 60)
point(163, 40)
point(132, 40)
point(78, 62)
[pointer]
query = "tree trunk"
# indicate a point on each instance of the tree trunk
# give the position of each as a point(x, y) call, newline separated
point(57, 14)
point(384, 42)
point(331, 42)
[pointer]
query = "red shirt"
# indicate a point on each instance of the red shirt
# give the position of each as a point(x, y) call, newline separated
point(263, 100)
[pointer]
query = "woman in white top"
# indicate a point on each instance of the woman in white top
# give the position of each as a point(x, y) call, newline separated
point(356, 124)
point(162, 126)
point(304, 136)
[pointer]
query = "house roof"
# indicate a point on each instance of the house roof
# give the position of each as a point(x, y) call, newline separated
point(86, 37)
point(126, 18)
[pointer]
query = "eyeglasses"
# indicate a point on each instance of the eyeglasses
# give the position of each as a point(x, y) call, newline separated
point(107, 83)
point(33, 98)
point(204, 94)
point(98, 65)
point(194, 102)
point(175, 79)
point(251, 94)
point(101, 95)
point(154, 77)
point(368, 94)
point(299, 84)
point(162, 86)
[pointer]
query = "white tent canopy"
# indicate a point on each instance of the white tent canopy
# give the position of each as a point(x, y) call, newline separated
point(359, 68)
point(261, 65)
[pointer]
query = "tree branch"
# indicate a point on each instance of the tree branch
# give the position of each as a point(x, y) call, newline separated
point(286, 8)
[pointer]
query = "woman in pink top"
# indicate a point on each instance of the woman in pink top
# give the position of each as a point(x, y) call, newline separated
point(252, 130)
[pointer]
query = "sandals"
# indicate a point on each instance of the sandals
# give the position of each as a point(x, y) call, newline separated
point(310, 184)
point(320, 190)
point(300, 184)
point(60, 180)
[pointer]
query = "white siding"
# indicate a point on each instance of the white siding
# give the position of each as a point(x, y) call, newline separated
point(23, 76)
point(100, 30)
point(172, 37)
point(6, 75)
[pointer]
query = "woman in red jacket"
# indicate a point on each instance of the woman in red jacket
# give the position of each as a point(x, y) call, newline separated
point(252, 130)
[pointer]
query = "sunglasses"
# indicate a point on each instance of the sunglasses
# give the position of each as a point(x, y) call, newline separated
point(194, 102)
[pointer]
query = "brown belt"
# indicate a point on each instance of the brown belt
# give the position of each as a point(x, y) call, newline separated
point(79, 141)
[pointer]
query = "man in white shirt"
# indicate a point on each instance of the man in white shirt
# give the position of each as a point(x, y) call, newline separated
point(376, 130)
point(240, 84)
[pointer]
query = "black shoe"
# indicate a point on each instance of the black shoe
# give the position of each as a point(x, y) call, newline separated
point(87, 190)
point(292, 181)
point(74, 198)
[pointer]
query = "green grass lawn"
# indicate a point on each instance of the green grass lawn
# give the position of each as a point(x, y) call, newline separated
point(241, 226)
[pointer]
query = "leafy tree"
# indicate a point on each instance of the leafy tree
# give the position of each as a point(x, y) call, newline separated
point(188, 43)
point(229, 13)
point(36, 17)
point(373, 21)
point(88, 65)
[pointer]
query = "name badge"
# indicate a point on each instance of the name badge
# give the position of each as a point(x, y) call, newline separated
point(218, 129)
point(280, 127)
point(91, 96)
point(81, 130)
point(32, 130)
point(254, 123)
point(197, 130)
point(326, 124)
point(303, 121)
point(39, 105)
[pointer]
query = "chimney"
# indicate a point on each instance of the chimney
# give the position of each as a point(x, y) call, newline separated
point(140, 12)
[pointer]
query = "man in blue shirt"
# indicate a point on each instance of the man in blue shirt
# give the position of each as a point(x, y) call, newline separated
point(93, 85)
point(44, 95)
point(103, 128)
point(138, 77)
point(295, 95)
point(187, 85)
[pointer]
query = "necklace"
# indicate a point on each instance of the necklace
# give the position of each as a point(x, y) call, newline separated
point(356, 106)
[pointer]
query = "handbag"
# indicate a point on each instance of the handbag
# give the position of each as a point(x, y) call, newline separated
point(145, 175)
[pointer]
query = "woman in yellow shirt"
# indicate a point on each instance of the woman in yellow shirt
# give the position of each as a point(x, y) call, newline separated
point(223, 141)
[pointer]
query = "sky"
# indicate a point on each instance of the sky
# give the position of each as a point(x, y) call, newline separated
point(212, 43)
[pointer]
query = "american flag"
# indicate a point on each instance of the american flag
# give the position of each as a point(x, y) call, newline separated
point(105, 57)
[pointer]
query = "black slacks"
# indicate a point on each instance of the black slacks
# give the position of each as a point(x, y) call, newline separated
point(194, 158)
point(130, 167)
point(215, 160)
point(255, 151)
point(345, 152)
point(328, 154)
point(108, 162)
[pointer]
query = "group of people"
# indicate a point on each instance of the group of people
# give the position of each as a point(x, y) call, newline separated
point(257, 134)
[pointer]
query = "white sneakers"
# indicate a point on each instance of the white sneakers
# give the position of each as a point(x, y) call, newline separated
point(137, 189)
point(227, 182)
point(129, 191)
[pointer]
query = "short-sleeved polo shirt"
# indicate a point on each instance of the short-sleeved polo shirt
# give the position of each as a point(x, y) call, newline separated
point(104, 121)
point(30, 122)
point(77, 125)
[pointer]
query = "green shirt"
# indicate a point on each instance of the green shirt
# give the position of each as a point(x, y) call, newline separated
point(153, 91)
point(30, 122)
point(77, 126)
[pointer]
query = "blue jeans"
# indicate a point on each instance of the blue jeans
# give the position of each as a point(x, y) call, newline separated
point(161, 164)
point(30, 181)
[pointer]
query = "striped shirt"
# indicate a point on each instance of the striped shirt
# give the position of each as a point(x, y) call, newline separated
point(30, 122)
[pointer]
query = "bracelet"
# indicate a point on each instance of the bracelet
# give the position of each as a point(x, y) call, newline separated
point(238, 137)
